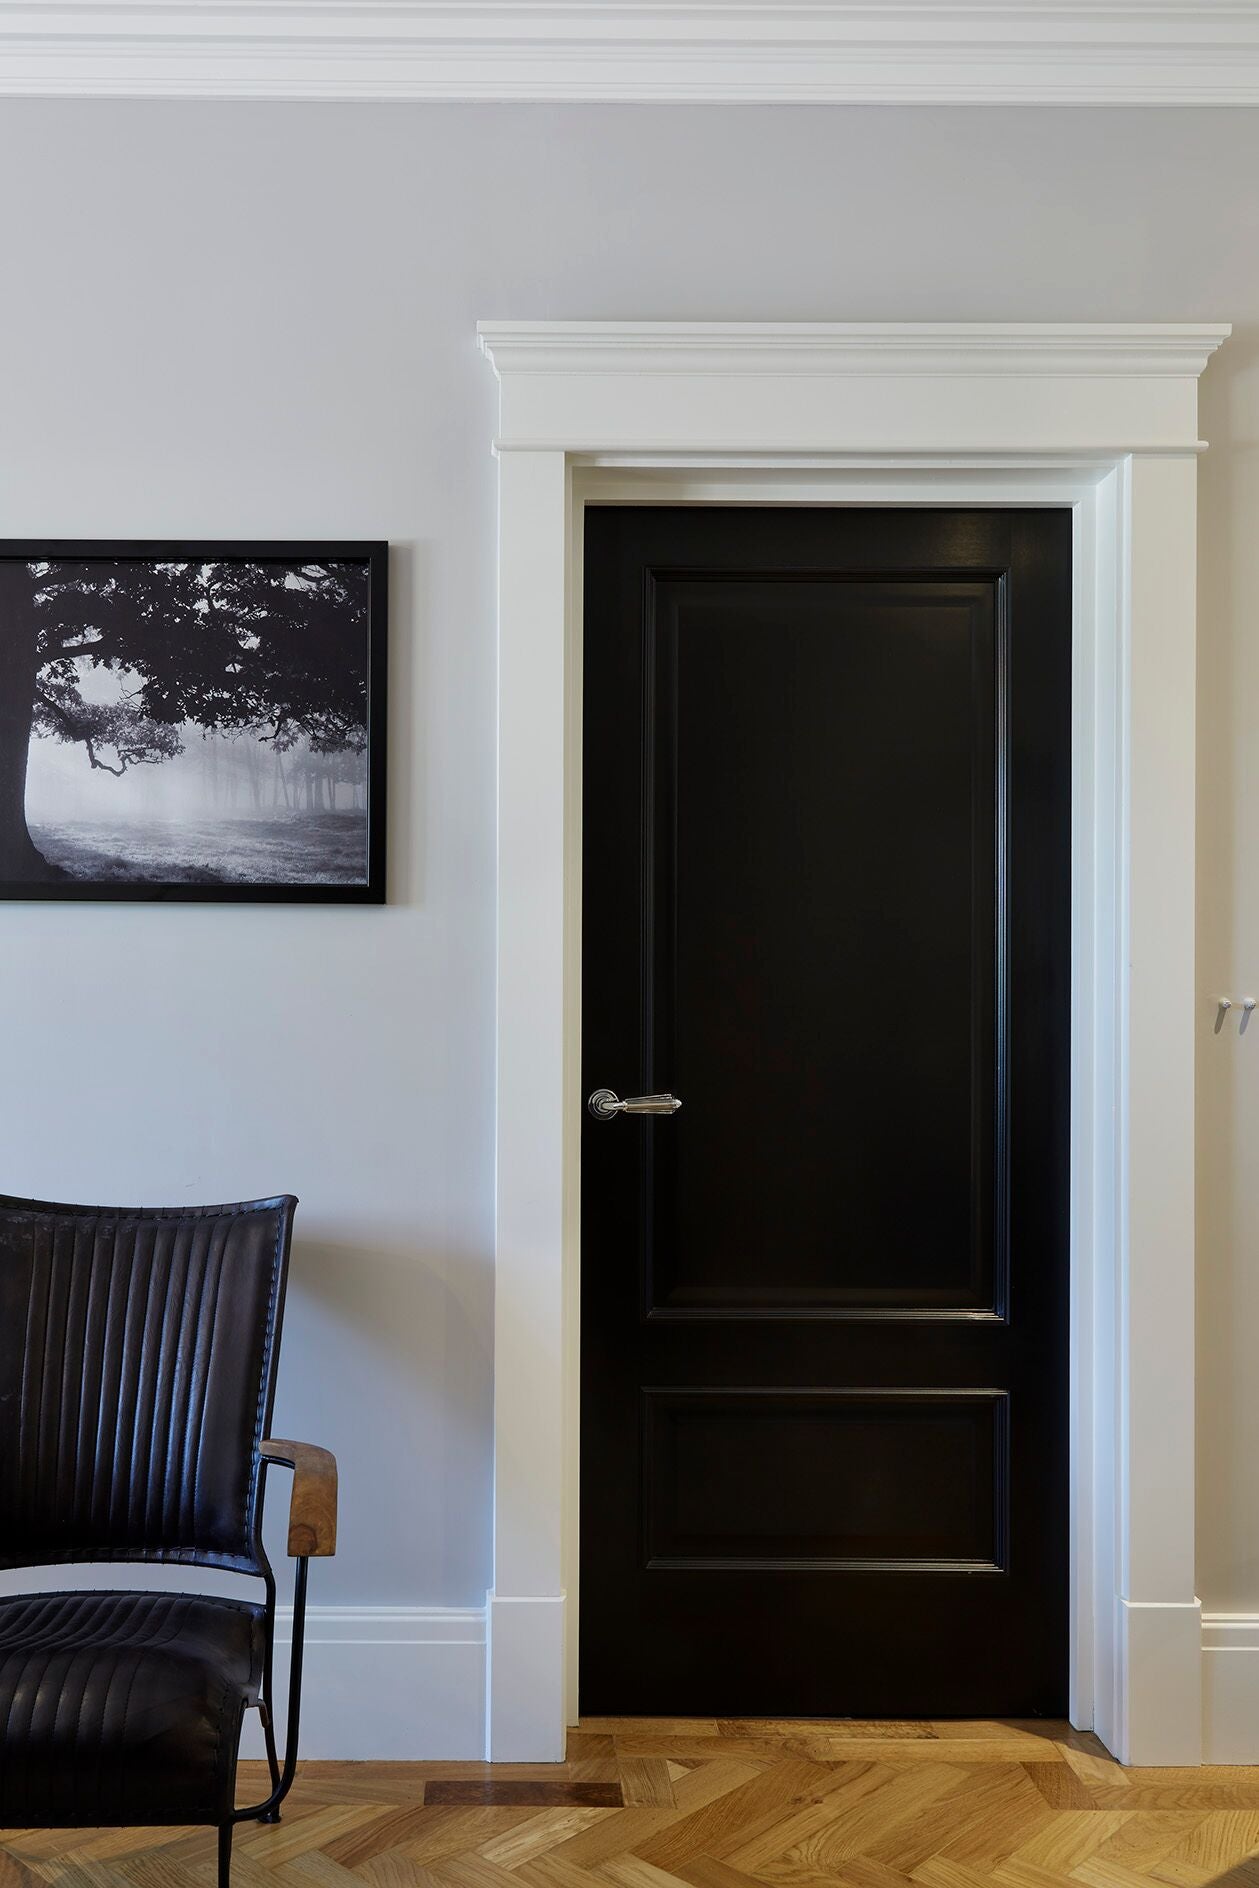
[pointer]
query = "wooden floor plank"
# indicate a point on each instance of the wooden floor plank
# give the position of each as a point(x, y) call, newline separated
point(1095, 1768)
point(693, 1750)
point(956, 1750)
point(705, 1871)
point(708, 1782)
point(940, 1872)
point(630, 1871)
point(471, 1871)
point(394, 1868)
point(394, 1825)
point(1060, 1785)
point(708, 1803)
point(1000, 1730)
point(552, 1871)
point(447, 1831)
point(973, 1800)
point(1145, 1837)
point(1063, 1842)
point(15, 1874)
point(1017, 1813)
point(646, 1780)
point(622, 1833)
point(708, 1829)
point(833, 1727)
point(758, 1844)
point(539, 1835)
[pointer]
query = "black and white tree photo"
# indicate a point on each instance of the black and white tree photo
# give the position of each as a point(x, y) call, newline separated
point(192, 721)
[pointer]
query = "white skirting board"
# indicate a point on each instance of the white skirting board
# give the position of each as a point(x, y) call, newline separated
point(405, 1683)
point(1230, 1688)
point(410, 1683)
point(402, 1682)
point(1158, 1714)
point(524, 1679)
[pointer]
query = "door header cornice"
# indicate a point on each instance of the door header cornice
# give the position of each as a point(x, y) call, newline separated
point(850, 347)
point(926, 388)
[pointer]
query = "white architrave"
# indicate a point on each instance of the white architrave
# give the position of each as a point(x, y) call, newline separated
point(1058, 52)
point(1103, 419)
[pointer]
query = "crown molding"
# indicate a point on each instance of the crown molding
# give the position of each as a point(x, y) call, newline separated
point(1048, 52)
point(1179, 349)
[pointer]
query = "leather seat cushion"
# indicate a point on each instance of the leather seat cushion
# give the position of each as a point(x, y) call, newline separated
point(123, 1707)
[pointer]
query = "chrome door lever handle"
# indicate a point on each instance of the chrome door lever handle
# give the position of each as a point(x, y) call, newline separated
point(604, 1104)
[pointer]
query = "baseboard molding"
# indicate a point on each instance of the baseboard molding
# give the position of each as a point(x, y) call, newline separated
point(401, 1682)
point(1230, 1688)
point(406, 1683)
point(524, 1679)
point(420, 1683)
point(1159, 1694)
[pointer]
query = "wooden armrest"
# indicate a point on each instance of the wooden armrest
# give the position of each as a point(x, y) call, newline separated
point(313, 1507)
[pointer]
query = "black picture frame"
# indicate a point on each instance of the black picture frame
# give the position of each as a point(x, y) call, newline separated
point(170, 553)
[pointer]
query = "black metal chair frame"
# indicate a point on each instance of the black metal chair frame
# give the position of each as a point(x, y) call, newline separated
point(280, 1455)
point(281, 1776)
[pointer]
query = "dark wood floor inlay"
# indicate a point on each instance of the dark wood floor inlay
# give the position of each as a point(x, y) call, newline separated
point(467, 1792)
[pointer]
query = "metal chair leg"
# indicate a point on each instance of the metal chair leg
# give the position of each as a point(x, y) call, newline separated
point(273, 1760)
point(269, 1811)
point(225, 1854)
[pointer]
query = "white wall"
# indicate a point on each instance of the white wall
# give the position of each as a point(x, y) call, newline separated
point(257, 320)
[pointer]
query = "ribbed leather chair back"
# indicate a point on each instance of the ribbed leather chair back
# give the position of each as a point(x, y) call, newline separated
point(137, 1369)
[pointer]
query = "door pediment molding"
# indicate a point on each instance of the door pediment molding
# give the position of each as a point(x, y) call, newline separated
point(851, 347)
point(974, 388)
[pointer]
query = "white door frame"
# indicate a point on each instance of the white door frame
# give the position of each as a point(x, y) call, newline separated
point(1099, 418)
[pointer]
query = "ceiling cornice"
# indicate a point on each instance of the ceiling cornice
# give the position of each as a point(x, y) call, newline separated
point(1047, 52)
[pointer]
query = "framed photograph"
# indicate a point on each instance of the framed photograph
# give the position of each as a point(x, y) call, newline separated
point(193, 721)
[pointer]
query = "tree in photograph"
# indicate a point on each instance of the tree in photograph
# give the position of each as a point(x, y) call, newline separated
point(275, 648)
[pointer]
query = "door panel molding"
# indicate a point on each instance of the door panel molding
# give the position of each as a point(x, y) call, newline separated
point(1104, 422)
point(983, 1297)
point(989, 1420)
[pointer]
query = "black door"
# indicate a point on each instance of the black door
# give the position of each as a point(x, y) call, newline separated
point(825, 1304)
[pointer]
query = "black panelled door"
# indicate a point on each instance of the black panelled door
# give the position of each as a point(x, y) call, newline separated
point(825, 1304)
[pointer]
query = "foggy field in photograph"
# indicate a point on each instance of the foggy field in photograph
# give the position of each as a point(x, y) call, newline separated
point(222, 810)
point(293, 849)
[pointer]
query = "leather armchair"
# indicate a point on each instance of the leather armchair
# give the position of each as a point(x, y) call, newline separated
point(138, 1352)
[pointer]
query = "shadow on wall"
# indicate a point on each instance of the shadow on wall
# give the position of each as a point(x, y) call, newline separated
point(387, 1361)
point(409, 607)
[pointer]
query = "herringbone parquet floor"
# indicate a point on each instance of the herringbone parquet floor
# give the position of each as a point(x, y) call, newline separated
point(701, 1804)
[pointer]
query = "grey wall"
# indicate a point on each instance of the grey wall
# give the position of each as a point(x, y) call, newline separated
point(258, 321)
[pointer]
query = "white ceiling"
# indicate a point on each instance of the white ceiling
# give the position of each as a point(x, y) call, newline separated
point(1114, 52)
